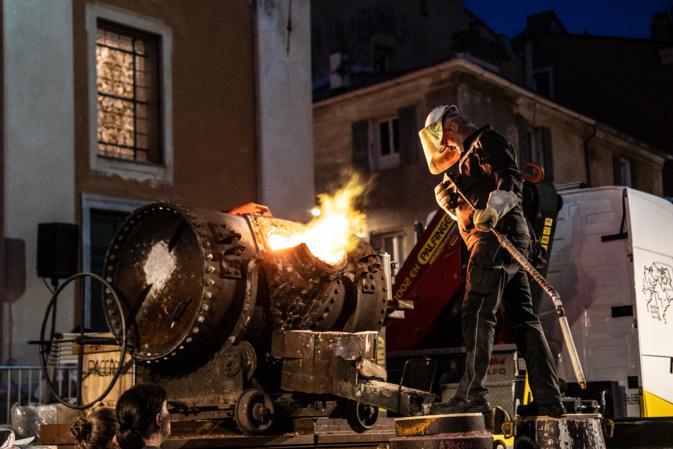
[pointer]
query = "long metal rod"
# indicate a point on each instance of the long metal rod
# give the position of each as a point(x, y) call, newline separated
point(545, 285)
point(9, 393)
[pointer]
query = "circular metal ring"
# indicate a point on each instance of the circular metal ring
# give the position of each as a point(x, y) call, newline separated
point(43, 352)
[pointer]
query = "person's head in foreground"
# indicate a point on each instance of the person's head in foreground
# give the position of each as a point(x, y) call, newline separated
point(96, 430)
point(143, 417)
point(442, 137)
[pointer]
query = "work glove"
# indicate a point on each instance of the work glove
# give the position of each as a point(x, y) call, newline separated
point(446, 197)
point(485, 219)
point(499, 203)
point(443, 195)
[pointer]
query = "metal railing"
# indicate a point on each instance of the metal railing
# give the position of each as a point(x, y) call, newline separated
point(24, 384)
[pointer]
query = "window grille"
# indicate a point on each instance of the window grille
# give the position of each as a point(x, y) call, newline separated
point(127, 81)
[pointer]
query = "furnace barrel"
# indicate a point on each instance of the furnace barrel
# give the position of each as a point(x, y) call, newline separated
point(194, 280)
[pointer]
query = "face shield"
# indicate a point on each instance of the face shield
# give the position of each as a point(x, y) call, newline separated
point(438, 155)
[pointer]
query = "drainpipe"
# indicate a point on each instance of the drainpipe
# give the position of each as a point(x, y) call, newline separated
point(254, 26)
point(587, 153)
point(4, 304)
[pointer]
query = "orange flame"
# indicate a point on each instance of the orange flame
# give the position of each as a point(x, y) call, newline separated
point(333, 232)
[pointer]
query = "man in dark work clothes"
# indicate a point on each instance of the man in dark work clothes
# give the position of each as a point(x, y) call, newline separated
point(482, 163)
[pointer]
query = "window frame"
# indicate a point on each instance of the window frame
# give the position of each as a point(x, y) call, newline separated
point(153, 154)
point(536, 144)
point(549, 71)
point(625, 177)
point(382, 161)
point(126, 168)
point(377, 239)
point(98, 202)
point(538, 152)
point(382, 56)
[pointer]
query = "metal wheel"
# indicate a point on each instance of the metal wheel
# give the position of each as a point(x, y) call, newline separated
point(254, 412)
point(45, 346)
point(361, 416)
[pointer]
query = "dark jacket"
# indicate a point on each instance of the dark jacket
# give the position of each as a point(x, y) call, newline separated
point(488, 163)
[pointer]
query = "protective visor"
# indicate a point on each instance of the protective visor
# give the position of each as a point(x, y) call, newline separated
point(439, 156)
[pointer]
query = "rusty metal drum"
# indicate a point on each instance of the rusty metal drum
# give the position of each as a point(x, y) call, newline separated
point(181, 275)
point(195, 280)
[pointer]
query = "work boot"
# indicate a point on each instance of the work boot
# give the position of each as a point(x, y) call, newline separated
point(456, 405)
point(533, 409)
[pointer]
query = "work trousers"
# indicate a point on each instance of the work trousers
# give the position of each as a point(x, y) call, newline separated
point(493, 275)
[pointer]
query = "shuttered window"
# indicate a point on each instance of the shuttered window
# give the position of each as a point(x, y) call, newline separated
point(385, 142)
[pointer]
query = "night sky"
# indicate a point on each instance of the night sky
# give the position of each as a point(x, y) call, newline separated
point(630, 18)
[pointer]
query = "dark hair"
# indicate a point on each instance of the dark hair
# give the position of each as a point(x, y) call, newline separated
point(95, 430)
point(137, 409)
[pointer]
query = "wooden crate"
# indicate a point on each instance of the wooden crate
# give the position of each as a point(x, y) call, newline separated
point(99, 365)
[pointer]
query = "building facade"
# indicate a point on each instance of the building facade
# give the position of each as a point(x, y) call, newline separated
point(355, 44)
point(111, 105)
point(374, 130)
point(623, 82)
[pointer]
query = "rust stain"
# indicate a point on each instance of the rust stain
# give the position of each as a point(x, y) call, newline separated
point(417, 429)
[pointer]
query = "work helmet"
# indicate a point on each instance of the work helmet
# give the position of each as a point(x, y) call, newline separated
point(438, 155)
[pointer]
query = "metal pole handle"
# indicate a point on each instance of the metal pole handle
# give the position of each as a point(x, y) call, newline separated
point(558, 305)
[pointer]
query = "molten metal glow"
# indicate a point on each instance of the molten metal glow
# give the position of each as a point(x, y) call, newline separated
point(332, 233)
point(315, 211)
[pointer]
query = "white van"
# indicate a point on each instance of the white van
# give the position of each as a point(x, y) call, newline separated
point(612, 263)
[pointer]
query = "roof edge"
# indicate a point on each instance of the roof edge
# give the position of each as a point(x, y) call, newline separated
point(458, 62)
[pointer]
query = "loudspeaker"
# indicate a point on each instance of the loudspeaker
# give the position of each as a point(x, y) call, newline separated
point(57, 249)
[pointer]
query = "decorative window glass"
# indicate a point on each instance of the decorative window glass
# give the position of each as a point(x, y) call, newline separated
point(128, 92)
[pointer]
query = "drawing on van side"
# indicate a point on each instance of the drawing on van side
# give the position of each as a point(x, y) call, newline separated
point(658, 289)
